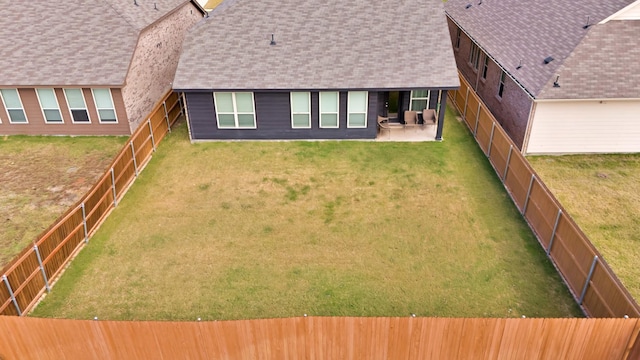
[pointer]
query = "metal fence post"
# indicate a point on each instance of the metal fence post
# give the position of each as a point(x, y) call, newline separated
point(13, 298)
point(84, 223)
point(553, 234)
point(506, 167)
point(586, 283)
point(466, 100)
point(113, 186)
point(166, 115)
point(475, 127)
point(493, 128)
point(153, 139)
point(526, 201)
point(44, 273)
point(135, 163)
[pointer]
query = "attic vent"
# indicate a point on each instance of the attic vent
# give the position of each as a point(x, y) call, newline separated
point(548, 59)
point(468, 6)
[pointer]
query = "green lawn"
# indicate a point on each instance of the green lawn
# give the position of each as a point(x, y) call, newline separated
point(602, 194)
point(41, 176)
point(237, 230)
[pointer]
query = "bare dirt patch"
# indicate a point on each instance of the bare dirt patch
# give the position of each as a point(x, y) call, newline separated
point(40, 178)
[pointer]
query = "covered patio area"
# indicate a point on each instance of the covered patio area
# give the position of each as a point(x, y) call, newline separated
point(403, 133)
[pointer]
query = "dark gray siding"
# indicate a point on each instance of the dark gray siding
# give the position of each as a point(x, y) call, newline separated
point(201, 115)
point(273, 119)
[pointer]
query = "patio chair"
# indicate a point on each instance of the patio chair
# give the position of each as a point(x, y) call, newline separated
point(384, 124)
point(410, 119)
point(428, 117)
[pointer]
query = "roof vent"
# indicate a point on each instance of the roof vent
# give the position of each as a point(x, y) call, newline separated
point(548, 59)
point(273, 41)
point(135, 3)
point(155, 6)
point(556, 83)
point(480, 2)
point(586, 26)
point(468, 6)
point(519, 65)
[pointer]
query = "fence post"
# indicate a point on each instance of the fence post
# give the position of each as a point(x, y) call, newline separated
point(153, 139)
point(586, 283)
point(166, 115)
point(506, 167)
point(493, 128)
point(475, 130)
point(113, 186)
point(553, 234)
point(135, 163)
point(13, 298)
point(466, 100)
point(84, 223)
point(526, 201)
point(44, 274)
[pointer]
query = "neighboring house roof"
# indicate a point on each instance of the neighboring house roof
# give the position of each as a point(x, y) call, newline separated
point(333, 44)
point(524, 33)
point(606, 64)
point(73, 42)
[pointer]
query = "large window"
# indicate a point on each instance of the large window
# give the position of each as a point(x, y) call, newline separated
point(104, 104)
point(501, 86)
point(474, 55)
point(77, 105)
point(13, 104)
point(235, 110)
point(300, 110)
point(329, 105)
point(357, 104)
point(419, 100)
point(49, 105)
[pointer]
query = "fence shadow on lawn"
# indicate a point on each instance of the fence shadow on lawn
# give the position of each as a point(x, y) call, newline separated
point(30, 273)
point(593, 284)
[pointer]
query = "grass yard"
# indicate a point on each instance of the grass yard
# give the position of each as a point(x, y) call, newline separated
point(602, 194)
point(41, 177)
point(237, 230)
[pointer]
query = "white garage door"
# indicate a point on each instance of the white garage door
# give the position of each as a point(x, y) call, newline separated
point(585, 127)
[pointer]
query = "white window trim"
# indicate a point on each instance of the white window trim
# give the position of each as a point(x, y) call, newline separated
point(6, 108)
point(337, 112)
point(501, 83)
point(474, 56)
point(419, 98)
point(235, 110)
point(300, 113)
point(73, 120)
point(366, 109)
point(44, 116)
point(98, 109)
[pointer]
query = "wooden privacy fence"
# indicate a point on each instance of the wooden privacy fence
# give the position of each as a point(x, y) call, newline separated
point(322, 338)
point(30, 273)
point(589, 278)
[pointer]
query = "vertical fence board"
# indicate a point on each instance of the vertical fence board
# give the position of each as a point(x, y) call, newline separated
point(321, 338)
point(572, 253)
point(66, 235)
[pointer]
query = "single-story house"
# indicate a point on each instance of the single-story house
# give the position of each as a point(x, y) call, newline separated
point(299, 69)
point(76, 67)
point(561, 76)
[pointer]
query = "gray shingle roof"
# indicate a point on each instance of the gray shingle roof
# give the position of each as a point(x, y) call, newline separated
point(605, 65)
point(72, 42)
point(332, 44)
point(514, 31)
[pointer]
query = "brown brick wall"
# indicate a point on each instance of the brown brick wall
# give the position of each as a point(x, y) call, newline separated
point(37, 125)
point(512, 110)
point(154, 62)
